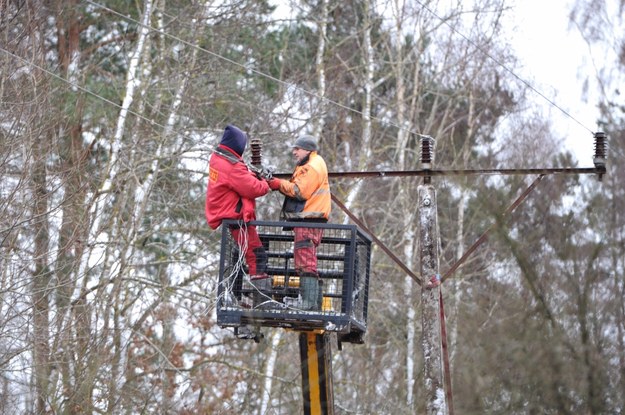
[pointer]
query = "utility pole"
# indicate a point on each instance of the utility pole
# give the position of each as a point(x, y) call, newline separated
point(430, 289)
point(315, 351)
point(430, 302)
point(438, 399)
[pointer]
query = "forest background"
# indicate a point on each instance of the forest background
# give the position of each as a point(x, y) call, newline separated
point(108, 270)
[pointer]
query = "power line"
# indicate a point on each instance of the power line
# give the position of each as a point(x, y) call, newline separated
point(272, 78)
point(338, 104)
point(351, 174)
point(75, 85)
point(248, 68)
point(502, 65)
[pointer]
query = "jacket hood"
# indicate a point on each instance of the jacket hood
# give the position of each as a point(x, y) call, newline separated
point(234, 139)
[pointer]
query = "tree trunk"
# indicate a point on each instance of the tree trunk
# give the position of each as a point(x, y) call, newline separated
point(41, 277)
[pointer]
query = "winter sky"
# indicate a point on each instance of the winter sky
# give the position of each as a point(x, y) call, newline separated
point(556, 59)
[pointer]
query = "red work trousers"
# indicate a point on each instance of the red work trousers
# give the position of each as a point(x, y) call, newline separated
point(305, 251)
point(251, 247)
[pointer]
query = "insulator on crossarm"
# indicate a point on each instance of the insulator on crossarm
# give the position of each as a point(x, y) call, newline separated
point(256, 146)
point(427, 151)
point(601, 153)
point(427, 155)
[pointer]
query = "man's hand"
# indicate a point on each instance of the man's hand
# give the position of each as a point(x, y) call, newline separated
point(263, 173)
point(274, 184)
point(266, 173)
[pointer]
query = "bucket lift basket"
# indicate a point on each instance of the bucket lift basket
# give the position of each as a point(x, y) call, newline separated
point(343, 264)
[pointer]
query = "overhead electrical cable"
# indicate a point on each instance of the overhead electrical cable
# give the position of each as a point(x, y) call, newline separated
point(338, 104)
point(502, 65)
point(246, 67)
point(272, 78)
point(75, 85)
point(260, 73)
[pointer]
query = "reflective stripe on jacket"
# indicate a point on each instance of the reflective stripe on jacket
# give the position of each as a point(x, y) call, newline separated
point(232, 188)
point(308, 191)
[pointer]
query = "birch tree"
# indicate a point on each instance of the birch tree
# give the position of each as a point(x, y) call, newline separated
point(108, 270)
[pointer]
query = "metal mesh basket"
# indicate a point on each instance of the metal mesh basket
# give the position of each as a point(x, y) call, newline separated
point(343, 262)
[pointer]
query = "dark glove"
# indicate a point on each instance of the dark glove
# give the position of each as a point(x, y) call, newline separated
point(266, 173)
point(274, 184)
point(262, 173)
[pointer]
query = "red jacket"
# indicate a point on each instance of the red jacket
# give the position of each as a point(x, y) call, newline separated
point(232, 188)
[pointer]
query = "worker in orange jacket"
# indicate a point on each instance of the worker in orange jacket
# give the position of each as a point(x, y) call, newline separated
point(307, 199)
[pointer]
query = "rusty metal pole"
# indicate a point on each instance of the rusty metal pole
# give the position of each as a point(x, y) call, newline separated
point(430, 291)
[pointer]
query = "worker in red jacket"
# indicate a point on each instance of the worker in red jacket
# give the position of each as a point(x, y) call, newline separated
point(231, 193)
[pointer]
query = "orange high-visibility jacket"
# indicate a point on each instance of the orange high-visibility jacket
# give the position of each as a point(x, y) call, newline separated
point(308, 191)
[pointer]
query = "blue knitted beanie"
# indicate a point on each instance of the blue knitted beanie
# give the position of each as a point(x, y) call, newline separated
point(234, 139)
